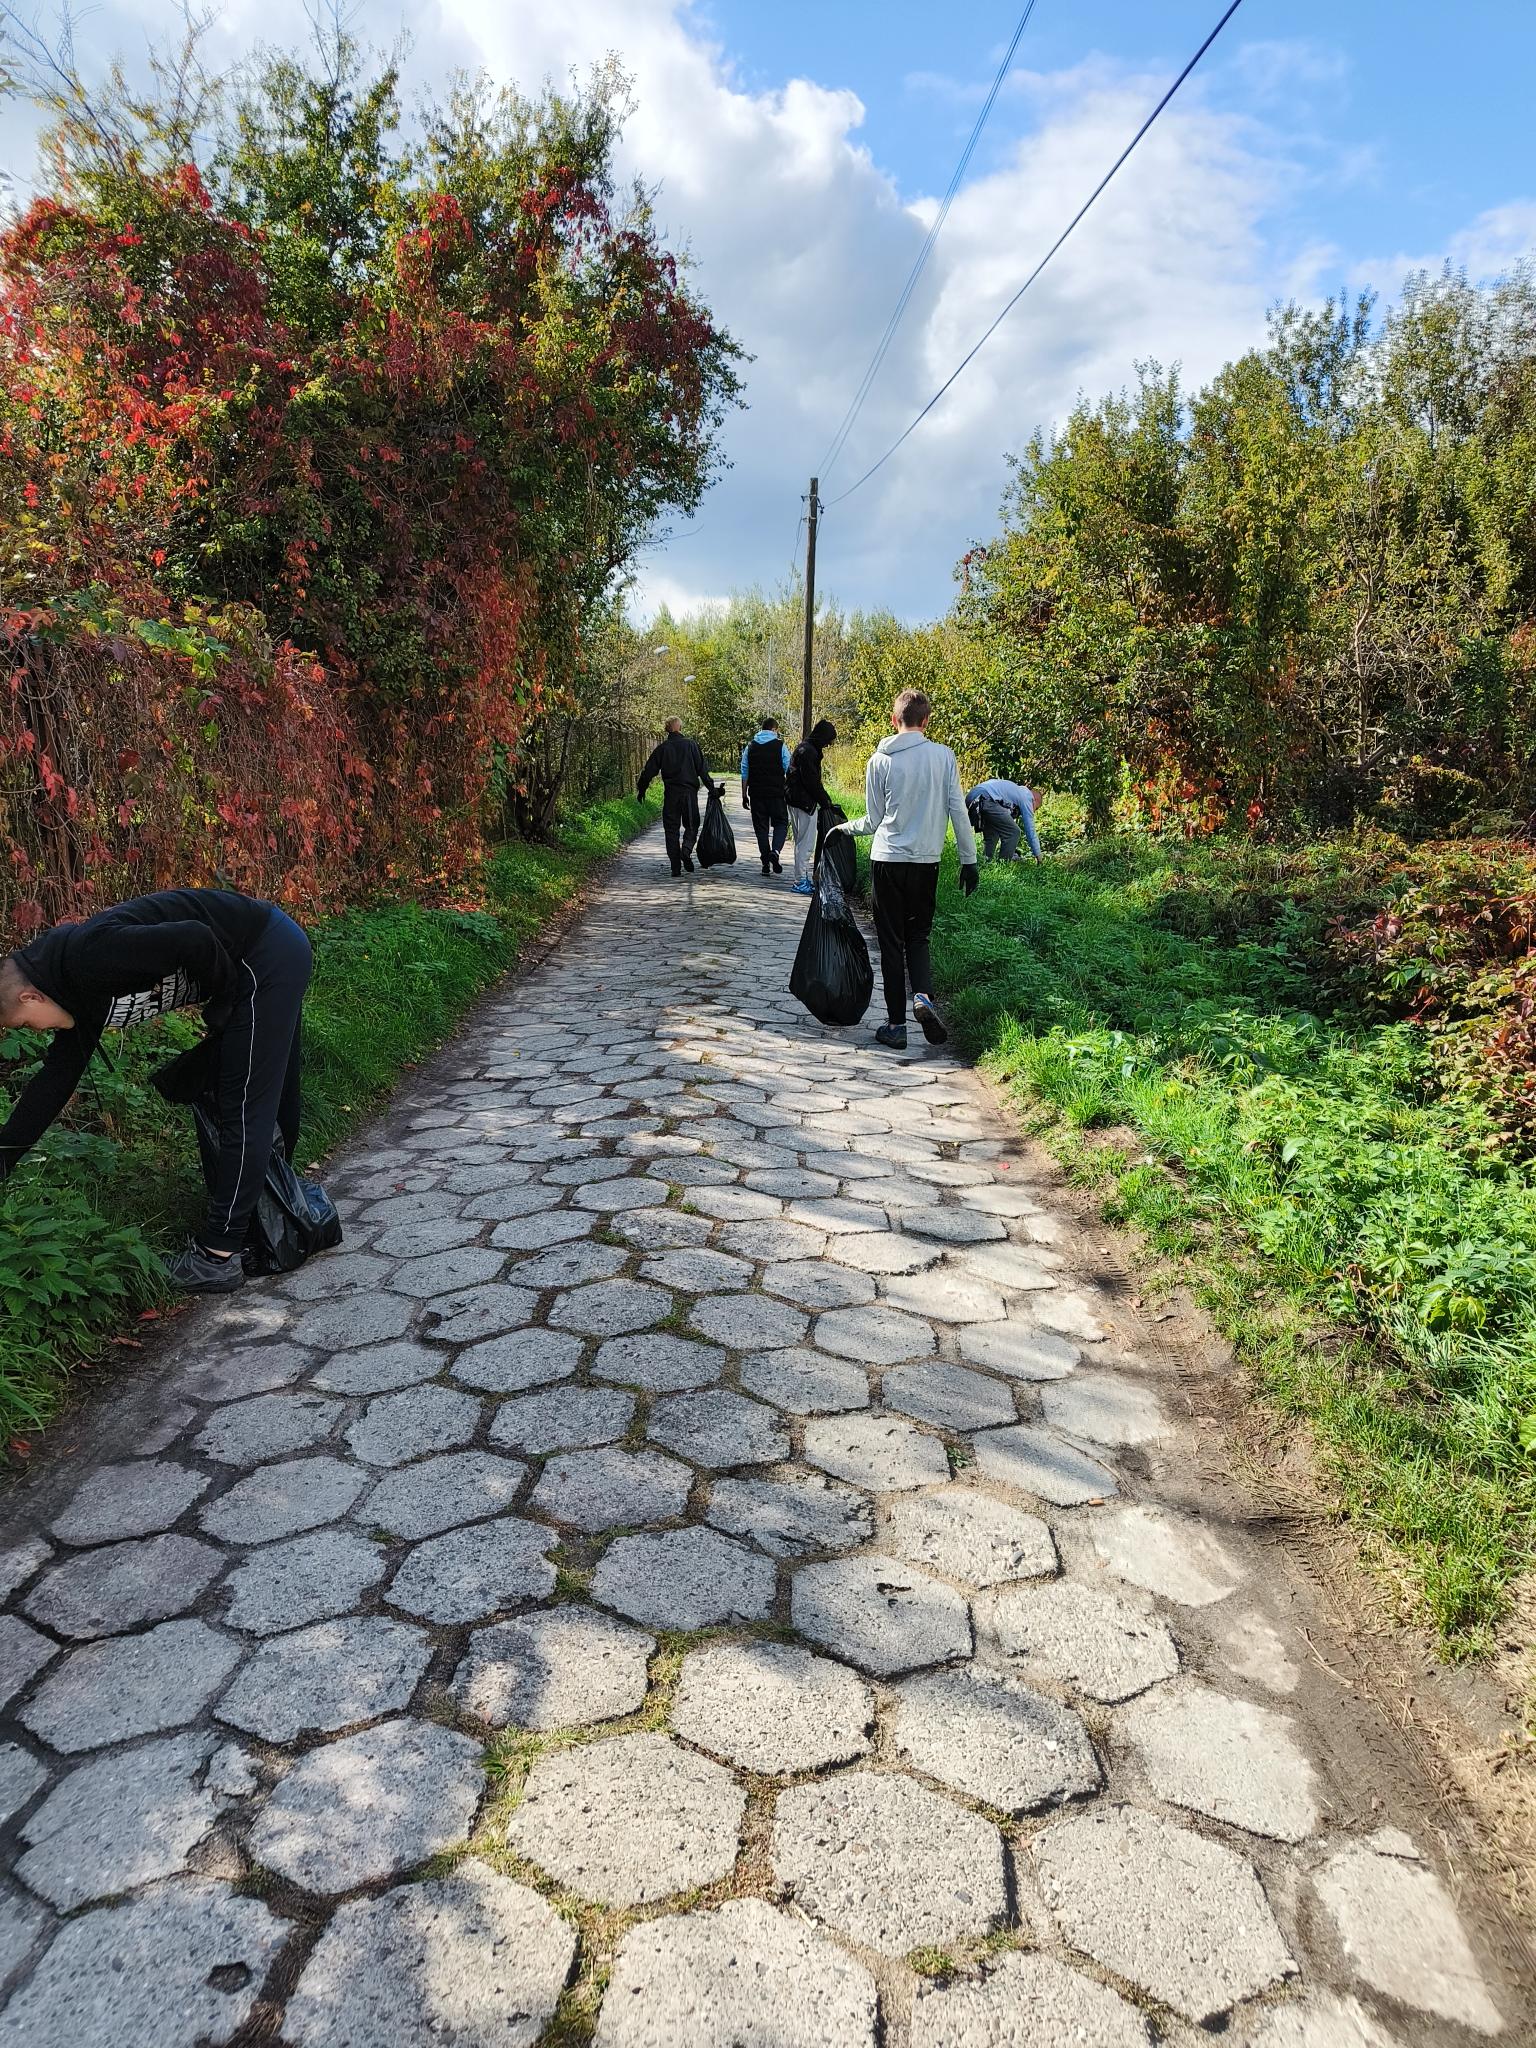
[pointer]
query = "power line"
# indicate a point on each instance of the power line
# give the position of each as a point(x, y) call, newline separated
point(968, 358)
point(856, 403)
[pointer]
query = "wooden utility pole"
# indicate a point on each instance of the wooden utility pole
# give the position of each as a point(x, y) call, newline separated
point(813, 505)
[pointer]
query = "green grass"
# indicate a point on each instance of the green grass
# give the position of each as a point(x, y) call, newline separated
point(1307, 1168)
point(116, 1182)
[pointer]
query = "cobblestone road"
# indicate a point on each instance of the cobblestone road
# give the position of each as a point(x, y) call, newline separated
point(693, 1566)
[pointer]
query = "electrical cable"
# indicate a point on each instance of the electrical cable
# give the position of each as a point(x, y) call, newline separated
point(970, 356)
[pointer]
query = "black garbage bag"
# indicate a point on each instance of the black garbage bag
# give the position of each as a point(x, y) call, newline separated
point(832, 975)
point(293, 1219)
point(836, 849)
point(717, 842)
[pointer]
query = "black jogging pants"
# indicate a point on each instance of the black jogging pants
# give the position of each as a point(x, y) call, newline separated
point(258, 1082)
point(902, 894)
point(679, 822)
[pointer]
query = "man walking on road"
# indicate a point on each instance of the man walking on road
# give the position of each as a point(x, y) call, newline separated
point(1003, 810)
point(681, 765)
point(806, 793)
point(912, 794)
point(764, 780)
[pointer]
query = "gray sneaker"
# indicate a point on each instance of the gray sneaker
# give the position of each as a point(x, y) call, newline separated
point(195, 1271)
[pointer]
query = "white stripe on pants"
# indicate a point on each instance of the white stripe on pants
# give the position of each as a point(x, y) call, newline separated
point(804, 825)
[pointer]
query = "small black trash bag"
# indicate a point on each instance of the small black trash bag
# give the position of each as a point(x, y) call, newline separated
point(717, 842)
point(836, 849)
point(293, 1219)
point(832, 975)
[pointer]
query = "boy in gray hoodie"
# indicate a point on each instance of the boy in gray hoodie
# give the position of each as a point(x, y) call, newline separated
point(912, 795)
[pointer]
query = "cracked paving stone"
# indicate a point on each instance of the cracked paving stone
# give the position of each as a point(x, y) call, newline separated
point(969, 1536)
point(886, 1251)
point(806, 1382)
point(1104, 1409)
point(447, 1272)
point(432, 1234)
point(521, 1359)
point(563, 1419)
point(253, 1369)
point(747, 1322)
point(889, 1862)
point(949, 1396)
point(629, 1821)
point(575, 1173)
point(24, 1652)
point(995, 1740)
point(370, 1806)
point(1401, 1932)
point(439, 1493)
point(874, 1336)
point(309, 1578)
point(104, 1592)
point(379, 1369)
point(569, 1265)
point(1227, 1758)
point(354, 1320)
point(773, 1707)
point(610, 1308)
point(952, 1225)
point(659, 1365)
point(327, 1676)
point(819, 1284)
point(21, 1777)
point(130, 1685)
point(341, 1273)
point(129, 1500)
point(470, 1573)
point(471, 1960)
point(564, 1668)
point(698, 1272)
point(611, 1489)
point(718, 1429)
point(282, 1500)
point(1172, 1913)
point(880, 1452)
point(684, 1578)
point(537, 1233)
point(1039, 1462)
point(773, 1239)
point(267, 1427)
point(179, 1967)
point(882, 1615)
point(789, 1512)
point(1070, 1313)
point(117, 1822)
point(407, 1425)
point(18, 1564)
point(837, 1216)
point(475, 1312)
point(1081, 1636)
point(1007, 1265)
point(652, 1229)
point(1018, 1349)
point(1168, 1554)
point(946, 1295)
point(1322, 2021)
point(1028, 2001)
point(745, 1973)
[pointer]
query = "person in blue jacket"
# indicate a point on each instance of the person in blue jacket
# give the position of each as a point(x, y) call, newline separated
point(764, 791)
point(1002, 810)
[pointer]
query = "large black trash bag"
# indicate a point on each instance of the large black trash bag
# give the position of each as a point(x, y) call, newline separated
point(717, 842)
point(832, 975)
point(836, 849)
point(293, 1219)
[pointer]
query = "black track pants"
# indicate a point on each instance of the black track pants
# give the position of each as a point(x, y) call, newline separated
point(770, 821)
point(679, 822)
point(902, 894)
point(258, 1085)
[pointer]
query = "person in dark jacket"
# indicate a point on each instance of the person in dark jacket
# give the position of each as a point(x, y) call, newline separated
point(764, 779)
point(246, 963)
point(680, 763)
point(806, 794)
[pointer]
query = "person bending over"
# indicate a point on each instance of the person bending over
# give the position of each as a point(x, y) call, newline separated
point(764, 779)
point(912, 795)
point(246, 963)
point(680, 763)
point(1004, 809)
point(807, 793)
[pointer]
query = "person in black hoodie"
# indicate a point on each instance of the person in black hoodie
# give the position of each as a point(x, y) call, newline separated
point(806, 794)
point(680, 763)
point(246, 963)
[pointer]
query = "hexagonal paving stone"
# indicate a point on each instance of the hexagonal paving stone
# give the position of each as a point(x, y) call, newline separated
point(403, 1426)
point(354, 1320)
point(564, 1668)
point(131, 1685)
point(884, 1251)
point(1080, 1636)
point(652, 1229)
point(772, 1707)
point(470, 1573)
point(612, 1489)
point(563, 1419)
point(698, 1272)
point(806, 1382)
point(576, 1173)
point(1019, 1349)
point(744, 1973)
point(1227, 1758)
point(413, 1207)
point(342, 1273)
point(735, 1205)
point(818, 1284)
point(1008, 1265)
point(117, 1822)
point(615, 1195)
point(309, 1578)
point(267, 1427)
point(227, 1375)
point(20, 1561)
point(281, 1500)
point(717, 1429)
point(538, 1232)
point(747, 1322)
point(326, 1676)
point(21, 1778)
point(968, 1536)
point(685, 1578)
point(129, 1500)
point(439, 1493)
point(1037, 1461)
point(370, 1806)
point(107, 1591)
point(1168, 1554)
point(660, 1364)
point(994, 1739)
point(469, 1958)
point(569, 1265)
point(877, 1451)
point(179, 1967)
point(787, 1512)
point(449, 1272)
point(609, 1308)
point(1401, 1932)
point(23, 1653)
point(1029, 2001)
point(379, 1368)
point(1181, 1917)
point(1104, 1408)
point(472, 1313)
point(838, 1216)
point(948, 1295)
point(874, 1336)
point(883, 1616)
point(949, 1396)
point(889, 1862)
point(773, 1239)
point(952, 1225)
point(629, 1821)
point(521, 1359)
point(429, 1234)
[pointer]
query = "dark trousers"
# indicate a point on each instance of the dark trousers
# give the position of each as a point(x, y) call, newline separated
point(257, 1090)
point(770, 821)
point(1000, 830)
point(679, 822)
point(902, 894)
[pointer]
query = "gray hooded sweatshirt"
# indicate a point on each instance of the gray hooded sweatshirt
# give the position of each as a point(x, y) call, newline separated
point(911, 793)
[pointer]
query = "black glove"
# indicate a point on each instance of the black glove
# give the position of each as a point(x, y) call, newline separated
point(640, 792)
point(746, 801)
point(970, 875)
